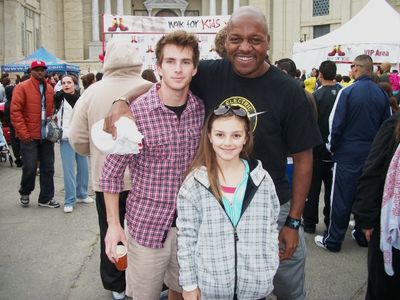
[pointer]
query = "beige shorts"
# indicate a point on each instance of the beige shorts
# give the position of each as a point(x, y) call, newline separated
point(148, 268)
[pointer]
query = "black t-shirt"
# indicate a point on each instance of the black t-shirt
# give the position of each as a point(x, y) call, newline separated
point(281, 116)
point(324, 99)
point(178, 110)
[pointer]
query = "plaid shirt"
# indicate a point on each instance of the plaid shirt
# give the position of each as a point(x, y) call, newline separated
point(157, 172)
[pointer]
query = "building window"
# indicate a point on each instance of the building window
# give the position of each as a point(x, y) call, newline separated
point(321, 30)
point(23, 44)
point(37, 38)
point(320, 8)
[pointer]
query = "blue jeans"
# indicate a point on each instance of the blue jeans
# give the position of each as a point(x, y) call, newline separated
point(75, 184)
point(32, 153)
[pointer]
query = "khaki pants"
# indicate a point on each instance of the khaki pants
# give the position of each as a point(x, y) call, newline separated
point(148, 268)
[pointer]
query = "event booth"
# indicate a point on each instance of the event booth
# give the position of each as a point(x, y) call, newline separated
point(373, 31)
point(54, 64)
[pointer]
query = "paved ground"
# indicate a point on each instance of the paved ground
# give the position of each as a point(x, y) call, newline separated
point(47, 254)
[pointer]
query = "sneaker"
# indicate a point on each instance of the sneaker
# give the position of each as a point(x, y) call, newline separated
point(359, 237)
point(24, 200)
point(68, 208)
point(51, 204)
point(319, 241)
point(118, 296)
point(87, 200)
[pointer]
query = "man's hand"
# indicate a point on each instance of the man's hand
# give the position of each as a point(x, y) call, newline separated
point(288, 242)
point(192, 295)
point(368, 233)
point(115, 234)
point(119, 109)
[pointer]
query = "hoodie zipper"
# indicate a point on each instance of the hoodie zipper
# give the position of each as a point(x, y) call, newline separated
point(236, 239)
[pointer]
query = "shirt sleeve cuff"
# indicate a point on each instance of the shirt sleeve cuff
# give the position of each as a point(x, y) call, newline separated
point(189, 288)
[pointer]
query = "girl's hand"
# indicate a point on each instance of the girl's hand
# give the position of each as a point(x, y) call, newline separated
point(192, 295)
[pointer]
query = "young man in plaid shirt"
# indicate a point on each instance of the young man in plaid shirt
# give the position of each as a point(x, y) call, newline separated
point(170, 117)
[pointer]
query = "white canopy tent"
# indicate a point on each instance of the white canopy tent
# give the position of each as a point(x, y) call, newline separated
point(373, 31)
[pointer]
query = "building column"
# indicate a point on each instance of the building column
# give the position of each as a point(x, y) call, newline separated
point(107, 7)
point(236, 4)
point(120, 7)
point(95, 21)
point(73, 30)
point(224, 7)
point(212, 8)
point(95, 44)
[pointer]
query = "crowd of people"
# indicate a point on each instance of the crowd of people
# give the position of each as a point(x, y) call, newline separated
point(206, 209)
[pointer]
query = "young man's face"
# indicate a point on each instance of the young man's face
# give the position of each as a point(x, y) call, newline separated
point(177, 67)
point(246, 45)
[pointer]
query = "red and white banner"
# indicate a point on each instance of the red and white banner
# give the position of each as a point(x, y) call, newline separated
point(144, 32)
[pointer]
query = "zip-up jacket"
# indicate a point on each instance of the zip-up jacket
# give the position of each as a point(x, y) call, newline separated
point(357, 114)
point(26, 108)
point(224, 261)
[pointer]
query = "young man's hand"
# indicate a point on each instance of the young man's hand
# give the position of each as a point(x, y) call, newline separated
point(192, 295)
point(118, 109)
point(115, 234)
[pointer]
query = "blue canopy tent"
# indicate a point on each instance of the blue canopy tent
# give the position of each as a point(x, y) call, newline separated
point(54, 64)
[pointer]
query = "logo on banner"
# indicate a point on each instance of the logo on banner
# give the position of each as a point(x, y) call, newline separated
point(337, 51)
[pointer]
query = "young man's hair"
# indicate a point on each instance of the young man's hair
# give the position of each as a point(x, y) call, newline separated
point(328, 70)
point(178, 38)
point(206, 156)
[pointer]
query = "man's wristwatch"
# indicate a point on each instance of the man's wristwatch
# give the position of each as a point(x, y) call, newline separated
point(293, 223)
point(122, 99)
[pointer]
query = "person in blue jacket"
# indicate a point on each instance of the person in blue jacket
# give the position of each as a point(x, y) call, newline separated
point(357, 114)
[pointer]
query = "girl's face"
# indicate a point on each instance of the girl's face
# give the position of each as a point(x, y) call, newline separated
point(227, 136)
point(68, 85)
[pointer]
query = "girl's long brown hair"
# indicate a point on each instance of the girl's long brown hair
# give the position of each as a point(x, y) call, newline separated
point(205, 155)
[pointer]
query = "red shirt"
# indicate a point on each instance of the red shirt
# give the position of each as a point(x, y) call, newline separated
point(157, 172)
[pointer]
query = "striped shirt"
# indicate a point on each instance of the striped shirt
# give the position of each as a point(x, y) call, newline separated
point(157, 172)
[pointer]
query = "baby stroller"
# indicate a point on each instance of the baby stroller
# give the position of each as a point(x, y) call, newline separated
point(4, 149)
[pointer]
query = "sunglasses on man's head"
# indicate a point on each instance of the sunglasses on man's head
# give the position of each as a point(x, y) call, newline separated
point(224, 109)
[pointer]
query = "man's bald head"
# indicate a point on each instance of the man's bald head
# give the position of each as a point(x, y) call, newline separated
point(248, 12)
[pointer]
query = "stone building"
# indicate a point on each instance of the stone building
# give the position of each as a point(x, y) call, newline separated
point(71, 29)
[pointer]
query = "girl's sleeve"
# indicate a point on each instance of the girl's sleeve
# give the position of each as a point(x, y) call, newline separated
point(188, 223)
